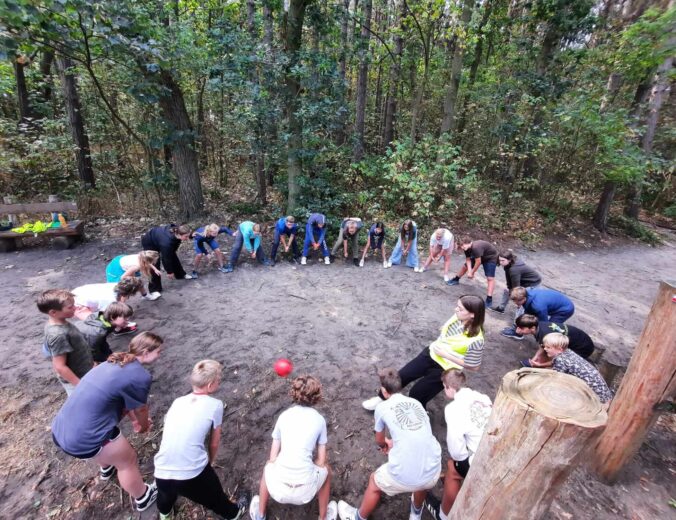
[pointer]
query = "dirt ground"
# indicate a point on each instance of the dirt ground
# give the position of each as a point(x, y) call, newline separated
point(336, 322)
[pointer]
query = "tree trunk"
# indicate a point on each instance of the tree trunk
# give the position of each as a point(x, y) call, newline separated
point(448, 123)
point(270, 138)
point(257, 148)
point(342, 71)
point(541, 424)
point(362, 80)
point(648, 385)
point(658, 96)
point(46, 72)
point(201, 129)
point(183, 151)
point(416, 109)
point(71, 100)
point(25, 111)
point(293, 43)
point(395, 75)
point(600, 220)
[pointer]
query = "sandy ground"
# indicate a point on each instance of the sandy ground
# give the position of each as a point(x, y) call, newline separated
point(337, 322)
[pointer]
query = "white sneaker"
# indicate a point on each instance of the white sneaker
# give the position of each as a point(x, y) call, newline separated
point(303, 260)
point(253, 507)
point(412, 515)
point(389, 264)
point(332, 511)
point(370, 404)
point(152, 296)
point(346, 511)
point(386, 265)
point(327, 260)
point(446, 278)
point(361, 263)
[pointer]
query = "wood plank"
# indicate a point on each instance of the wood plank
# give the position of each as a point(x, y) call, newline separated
point(38, 207)
point(75, 228)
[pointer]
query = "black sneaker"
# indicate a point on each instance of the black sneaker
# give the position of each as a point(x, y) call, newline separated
point(510, 333)
point(243, 500)
point(194, 274)
point(489, 302)
point(148, 498)
point(125, 331)
point(355, 261)
point(107, 473)
point(433, 506)
point(500, 309)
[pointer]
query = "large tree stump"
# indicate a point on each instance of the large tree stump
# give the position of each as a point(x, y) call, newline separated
point(650, 380)
point(542, 421)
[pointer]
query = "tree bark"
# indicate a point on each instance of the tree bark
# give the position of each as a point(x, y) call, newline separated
point(26, 115)
point(71, 100)
point(271, 123)
point(46, 72)
point(395, 74)
point(342, 71)
point(448, 123)
point(650, 382)
point(293, 43)
point(602, 212)
point(362, 80)
point(541, 424)
point(183, 151)
point(257, 148)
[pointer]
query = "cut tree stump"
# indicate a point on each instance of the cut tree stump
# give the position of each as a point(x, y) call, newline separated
point(542, 422)
point(646, 388)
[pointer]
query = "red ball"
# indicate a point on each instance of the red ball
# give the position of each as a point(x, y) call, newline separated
point(283, 367)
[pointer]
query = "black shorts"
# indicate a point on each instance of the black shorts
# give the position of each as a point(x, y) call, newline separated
point(113, 435)
point(462, 467)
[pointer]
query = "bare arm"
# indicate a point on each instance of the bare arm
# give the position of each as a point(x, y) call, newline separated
point(321, 456)
point(214, 442)
point(140, 419)
point(275, 449)
point(60, 367)
point(130, 273)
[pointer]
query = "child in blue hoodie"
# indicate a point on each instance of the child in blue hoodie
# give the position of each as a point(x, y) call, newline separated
point(285, 227)
point(249, 236)
point(315, 236)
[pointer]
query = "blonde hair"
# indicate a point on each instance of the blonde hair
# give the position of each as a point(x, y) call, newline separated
point(212, 229)
point(142, 344)
point(257, 228)
point(306, 390)
point(206, 372)
point(145, 260)
point(556, 340)
point(518, 293)
point(54, 300)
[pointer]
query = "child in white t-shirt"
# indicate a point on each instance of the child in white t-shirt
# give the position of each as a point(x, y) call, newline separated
point(466, 419)
point(413, 454)
point(183, 464)
point(441, 245)
point(292, 476)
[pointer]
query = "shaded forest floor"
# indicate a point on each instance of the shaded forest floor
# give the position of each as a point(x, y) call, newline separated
point(337, 322)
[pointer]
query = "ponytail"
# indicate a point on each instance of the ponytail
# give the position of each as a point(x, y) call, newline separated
point(145, 260)
point(142, 344)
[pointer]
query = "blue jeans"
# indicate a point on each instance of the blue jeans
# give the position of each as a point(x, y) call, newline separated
point(275, 244)
point(412, 258)
point(308, 243)
point(237, 249)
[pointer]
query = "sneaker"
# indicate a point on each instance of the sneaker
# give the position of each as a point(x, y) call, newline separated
point(489, 301)
point(189, 277)
point(107, 473)
point(500, 309)
point(229, 268)
point(386, 265)
point(413, 515)
point(526, 363)
point(453, 281)
point(370, 404)
point(303, 260)
point(510, 333)
point(222, 269)
point(327, 260)
point(243, 500)
point(152, 296)
point(446, 279)
point(127, 330)
point(148, 498)
point(346, 511)
point(253, 507)
point(271, 262)
point(389, 264)
point(165, 517)
point(355, 261)
point(433, 506)
point(268, 263)
point(194, 274)
point(361, 263)
point(332, 510)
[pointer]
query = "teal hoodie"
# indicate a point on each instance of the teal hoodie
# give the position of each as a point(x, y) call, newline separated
point(246, 228)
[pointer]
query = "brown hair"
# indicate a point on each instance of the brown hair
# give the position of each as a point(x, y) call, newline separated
point(402, 231)
point(183, 229)
point(476, 306)
point(128, 287)
point(142, 344)
point(54, 300)
point(527, 321)
point(557, 340)
point(306, 390)
point(256, 228)
point(466, 239)
point(145, 260)
point(390, 380)
point(117, 310)
point(453, 378)
point(518, 293)
point(206, 372)
point(509, 256)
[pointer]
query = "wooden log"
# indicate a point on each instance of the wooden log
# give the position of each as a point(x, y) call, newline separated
point(7, 245)
point(39, 207)
point(542, 422)
point(650, 380)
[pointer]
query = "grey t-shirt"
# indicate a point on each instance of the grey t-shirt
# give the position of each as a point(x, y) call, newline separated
point(67, 340)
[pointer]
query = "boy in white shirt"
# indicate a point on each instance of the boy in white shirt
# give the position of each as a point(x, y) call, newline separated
point(466, 418)
point(413, 454)
point(292, 476)
point(441, 245)
point(183, 464)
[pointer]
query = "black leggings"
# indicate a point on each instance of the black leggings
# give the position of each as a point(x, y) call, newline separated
point(427, 372)
point(204, 489)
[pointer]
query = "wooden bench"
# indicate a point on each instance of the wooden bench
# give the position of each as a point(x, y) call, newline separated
point(63, 238)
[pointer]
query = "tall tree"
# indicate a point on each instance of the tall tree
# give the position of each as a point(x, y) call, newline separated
point(395, 73)
point(71, 99)
point(26, 116)
point(362, 79)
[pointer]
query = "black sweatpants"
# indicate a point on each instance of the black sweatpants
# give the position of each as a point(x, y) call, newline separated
point(427, 372)
point(204, 489)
